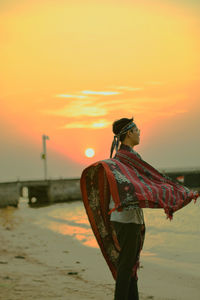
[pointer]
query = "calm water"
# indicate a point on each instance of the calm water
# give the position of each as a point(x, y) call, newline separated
point(175, 242)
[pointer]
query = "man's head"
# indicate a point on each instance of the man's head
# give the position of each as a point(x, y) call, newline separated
point(130, 137)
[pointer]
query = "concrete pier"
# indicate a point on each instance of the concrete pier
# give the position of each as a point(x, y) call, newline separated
point(9, 193)
point(44, 192)
point(40, 192)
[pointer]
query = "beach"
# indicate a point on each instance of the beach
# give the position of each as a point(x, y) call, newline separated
point(38, 262)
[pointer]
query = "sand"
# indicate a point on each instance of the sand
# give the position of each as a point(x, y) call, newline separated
point(40, 264)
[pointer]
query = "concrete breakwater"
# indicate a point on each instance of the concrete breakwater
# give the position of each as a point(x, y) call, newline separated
point(40, 192)
point(9, 193)
point(44, 192)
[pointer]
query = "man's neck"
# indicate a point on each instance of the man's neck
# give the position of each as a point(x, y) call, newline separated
point(129, 148)
point(127, 144)
point(126, 147)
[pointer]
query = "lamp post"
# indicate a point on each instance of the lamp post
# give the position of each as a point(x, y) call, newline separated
point(44, 154)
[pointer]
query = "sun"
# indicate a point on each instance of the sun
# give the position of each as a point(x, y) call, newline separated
point(89, 152)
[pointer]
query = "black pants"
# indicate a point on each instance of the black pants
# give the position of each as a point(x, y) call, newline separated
point(128, 235)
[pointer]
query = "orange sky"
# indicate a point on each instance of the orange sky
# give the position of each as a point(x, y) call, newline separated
point(70, 68)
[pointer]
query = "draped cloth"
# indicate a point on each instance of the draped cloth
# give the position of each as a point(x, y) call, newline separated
point(132, 182)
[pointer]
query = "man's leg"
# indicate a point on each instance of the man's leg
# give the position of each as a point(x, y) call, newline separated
point(133, 290)
point(128, 237)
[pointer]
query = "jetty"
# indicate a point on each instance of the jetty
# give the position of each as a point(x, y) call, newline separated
point(40, 192)
point(45, 192)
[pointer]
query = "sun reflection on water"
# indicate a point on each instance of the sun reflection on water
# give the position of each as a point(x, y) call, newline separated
point(70, 220)
point(178, 237)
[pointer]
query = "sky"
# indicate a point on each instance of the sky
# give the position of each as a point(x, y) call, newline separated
point(71, 68)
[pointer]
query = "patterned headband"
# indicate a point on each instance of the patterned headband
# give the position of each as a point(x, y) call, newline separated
point(116, 140)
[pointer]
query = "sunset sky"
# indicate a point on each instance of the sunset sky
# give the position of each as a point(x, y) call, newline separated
point(69, 68)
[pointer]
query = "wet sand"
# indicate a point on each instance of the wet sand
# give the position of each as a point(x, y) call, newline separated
point(36, 263)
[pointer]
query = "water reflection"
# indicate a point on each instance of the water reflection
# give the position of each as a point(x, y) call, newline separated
point(162, 236)
point(74, 213)
point(177, 239)
point(175, 242)
point(70, 220)
point(91, 242)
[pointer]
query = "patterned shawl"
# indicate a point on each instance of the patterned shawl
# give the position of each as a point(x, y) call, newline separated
point(132, 182)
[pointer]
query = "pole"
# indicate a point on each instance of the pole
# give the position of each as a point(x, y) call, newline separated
point(44, 154)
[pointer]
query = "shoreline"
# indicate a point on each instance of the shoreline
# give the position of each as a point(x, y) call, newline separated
point(37, 263)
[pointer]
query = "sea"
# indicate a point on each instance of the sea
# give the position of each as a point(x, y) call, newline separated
point(175, 242)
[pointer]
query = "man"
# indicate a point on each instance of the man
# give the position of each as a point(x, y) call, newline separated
point(127, 223)
point(114, 192)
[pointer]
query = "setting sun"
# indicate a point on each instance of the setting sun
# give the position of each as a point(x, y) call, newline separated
point(89, 152)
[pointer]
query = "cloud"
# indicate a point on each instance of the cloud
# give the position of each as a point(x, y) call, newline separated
point(143, 103)
point(100, 93)
point(95, 111)
point(71, 96)
point(79, 108)
point(128, 88)
point(97, 108)
point(91, 125)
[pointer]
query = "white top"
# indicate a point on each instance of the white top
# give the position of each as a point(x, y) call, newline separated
point(135, 215)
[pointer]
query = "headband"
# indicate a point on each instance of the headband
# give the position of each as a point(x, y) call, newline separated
point(116, 140)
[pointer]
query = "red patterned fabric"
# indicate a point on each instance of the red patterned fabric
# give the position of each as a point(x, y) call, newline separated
point(132, 182)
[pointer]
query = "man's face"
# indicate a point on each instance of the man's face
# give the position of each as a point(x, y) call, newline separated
point(134, 135)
